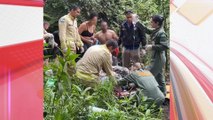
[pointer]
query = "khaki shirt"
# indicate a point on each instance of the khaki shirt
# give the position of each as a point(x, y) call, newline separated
point(68, 33)
point(95, 59)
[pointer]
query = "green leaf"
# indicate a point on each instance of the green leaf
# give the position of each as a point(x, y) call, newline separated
point(58, 116)
point(61, 60)
point(68, 52)
point(88, 98)
point(147, 112)
point(86, 90)
point(45, 44)
point(72, 57)
point(60, 88)
point(47, 56)
point(77, 87)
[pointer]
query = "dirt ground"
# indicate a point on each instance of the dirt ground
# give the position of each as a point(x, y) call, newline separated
point(166, 111)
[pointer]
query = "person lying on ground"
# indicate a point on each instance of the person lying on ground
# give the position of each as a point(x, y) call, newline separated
point(96, 58)
point(145, 82)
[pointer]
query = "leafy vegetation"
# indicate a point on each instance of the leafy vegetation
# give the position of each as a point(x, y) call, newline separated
point(66, 99)
point(110, 10)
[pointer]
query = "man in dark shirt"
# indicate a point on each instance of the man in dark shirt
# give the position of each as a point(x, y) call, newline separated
point(131, 36)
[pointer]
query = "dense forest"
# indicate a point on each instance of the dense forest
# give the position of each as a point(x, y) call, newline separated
point(111, 11)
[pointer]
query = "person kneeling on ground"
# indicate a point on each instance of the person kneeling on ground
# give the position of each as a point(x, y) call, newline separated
point(95, 59)
point(146, 83)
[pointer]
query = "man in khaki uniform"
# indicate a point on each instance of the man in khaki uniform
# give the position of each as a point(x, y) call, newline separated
point(68, 31)
point(96, 58)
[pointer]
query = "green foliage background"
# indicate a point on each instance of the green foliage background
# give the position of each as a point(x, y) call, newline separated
point(66, 99)
point(109, 10)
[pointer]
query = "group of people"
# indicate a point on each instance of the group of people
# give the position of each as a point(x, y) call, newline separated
point(99, 50)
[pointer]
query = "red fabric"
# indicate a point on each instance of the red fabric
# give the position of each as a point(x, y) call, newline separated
point(116, 52)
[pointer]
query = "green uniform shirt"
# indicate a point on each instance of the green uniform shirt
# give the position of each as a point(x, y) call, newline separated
point(148, 85)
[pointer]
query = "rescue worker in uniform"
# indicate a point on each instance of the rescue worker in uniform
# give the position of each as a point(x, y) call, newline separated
point(158, 47)
point(68, 31)
point(95, 59)
point(144, 82)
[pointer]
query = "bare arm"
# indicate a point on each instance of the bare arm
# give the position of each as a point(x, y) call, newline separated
point(94, 31)
point(114, 36)
point(96, 35)
point(93, 37)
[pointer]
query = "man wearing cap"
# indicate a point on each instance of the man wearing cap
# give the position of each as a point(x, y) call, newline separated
point(131, 37)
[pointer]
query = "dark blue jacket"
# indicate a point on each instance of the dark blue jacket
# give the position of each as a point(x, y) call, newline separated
point(131, 36)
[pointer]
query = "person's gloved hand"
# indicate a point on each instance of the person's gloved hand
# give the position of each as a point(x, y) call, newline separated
point(64, 50)
point(55, 44)
point(148, 47)
point(82, 49)
point(143, 52)
point(90, 42)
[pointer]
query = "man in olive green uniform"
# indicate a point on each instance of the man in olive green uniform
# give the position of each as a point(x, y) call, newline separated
point(68, 31)
point(145, 82)
point(158, 47)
